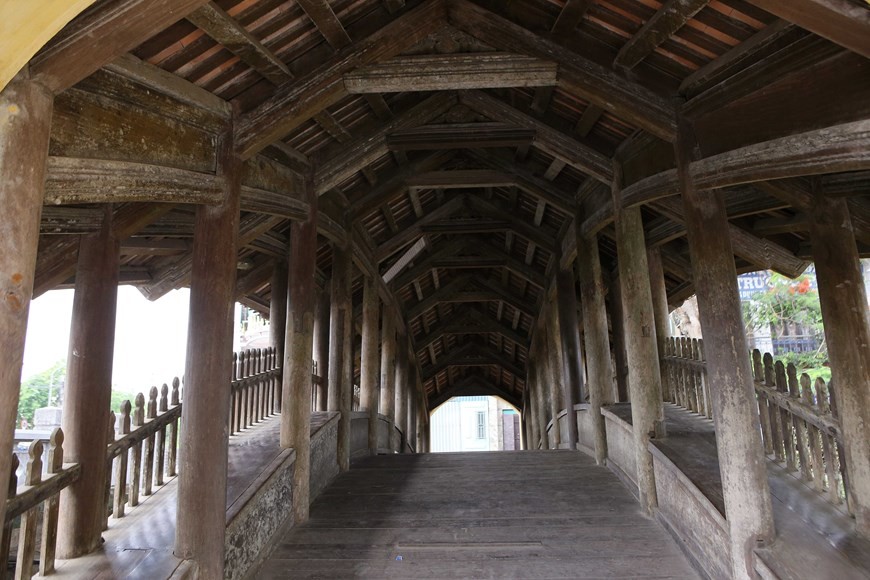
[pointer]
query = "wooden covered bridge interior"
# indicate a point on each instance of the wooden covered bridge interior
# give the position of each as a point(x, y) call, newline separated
point(434, 198)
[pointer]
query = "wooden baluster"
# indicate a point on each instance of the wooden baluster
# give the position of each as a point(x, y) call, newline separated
point(6, 535)
point(252, 387)
point(665, 364)
point(110, 462)
point(245, 391)
point(276, 382)
point(814, 437)
point(148, 476)
point(265, 384)
point(174, 400)
point(798, 425)
point(828, 445)
point(232, 421)
point(698, 391)
point(763, 407)
point(27, 533)
point(162, 407)
point(136, 453)
point(121, 463)
point(255, 387)
point(52, 506)
point(775, 417)
point(788, 437)
point(678, 371)
point(687, 383)
point(838, 446)
point(705, 384)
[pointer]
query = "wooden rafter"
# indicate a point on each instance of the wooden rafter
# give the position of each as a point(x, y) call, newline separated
point(665, 22)
point(327, 22)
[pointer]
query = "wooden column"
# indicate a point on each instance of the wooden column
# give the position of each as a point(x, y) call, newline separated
point(25, 122)
point(278, 307)
point(340, 349)
point(847, 332)
point(735, 410)
point(660, 304)
point(202, 471)
point(297, 383)
point(388, 363)
point(369, 371)
point(598, 364)
point(644, 378)
point(88, 392)
point(531, 416)
point(542, 402)
point(572, 353)
point(321, 349)
point(617, 326)
point(400, 393)
point(554, 379)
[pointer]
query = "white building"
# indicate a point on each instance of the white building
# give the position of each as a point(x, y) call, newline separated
point(475, 424)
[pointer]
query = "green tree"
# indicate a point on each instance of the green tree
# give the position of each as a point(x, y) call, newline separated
point(34, 390)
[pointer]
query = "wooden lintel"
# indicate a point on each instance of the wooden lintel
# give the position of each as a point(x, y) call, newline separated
point(482, 70)
point(150, 247)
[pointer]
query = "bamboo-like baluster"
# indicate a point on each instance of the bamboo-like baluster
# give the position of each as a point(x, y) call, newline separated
point(696, 378)
point(234, 396)
point(828, 445)
point(135, 464)
point(162, 407)
point(775, 417)
point(6, 536)
point(276, 382)
point(173, 431)
point(798, 426)
point(666, 367)
point(27, 533)
point(52, 506)
point(785, 419)
point(120, 477)
point(261, 384)
point(814, 436)
point(246, 395)
point(107, 501)
point(685, 350)
point(255, 386)
point(705, 384)
point(148, 475)
point(763, 407)
point(678, 372)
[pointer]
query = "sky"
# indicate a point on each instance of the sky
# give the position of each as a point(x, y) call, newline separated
point(150, 337)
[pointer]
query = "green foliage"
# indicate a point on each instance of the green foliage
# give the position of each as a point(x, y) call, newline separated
point(790, 302)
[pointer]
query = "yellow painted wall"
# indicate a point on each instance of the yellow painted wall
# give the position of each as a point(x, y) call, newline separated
point(26, 25)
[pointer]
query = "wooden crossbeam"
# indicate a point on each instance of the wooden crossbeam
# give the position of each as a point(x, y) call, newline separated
point(327, 22)
point(569, 17)
point(474, 384)
point(120, 27)
point(459, 136)
point(466, 226)
point(577, 75)
point(470, 321)
point(665, 22)
point(219, 25)
point(472, 355)
point(482, 70)
point(423, 267)
point(524, 229)
point(296, 102)
point(410, 233)
point(588, 120)
point(548, 139)
point(149, 247)
point(840, 21)
point(436, 297)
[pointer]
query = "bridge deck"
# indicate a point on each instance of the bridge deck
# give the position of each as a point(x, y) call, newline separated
point(477, 515)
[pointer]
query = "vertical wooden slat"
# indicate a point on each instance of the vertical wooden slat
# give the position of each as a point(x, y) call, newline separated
point(775, 417)
point(52, 505)
point(135, 454)
point(798, 426)
point(161, 435)
point(151, 413)
point(785, 418)
point(763, 408)
point(828, 445)
point(173, 430)
point(6, 536)
point(107, 499)
point(813, 436)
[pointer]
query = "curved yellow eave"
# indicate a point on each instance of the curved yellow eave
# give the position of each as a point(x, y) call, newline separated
point(26, 25)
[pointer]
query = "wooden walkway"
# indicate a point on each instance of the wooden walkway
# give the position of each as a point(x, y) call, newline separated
point(528, 514)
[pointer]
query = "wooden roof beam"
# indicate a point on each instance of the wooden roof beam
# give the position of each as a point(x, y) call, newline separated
point(120, 27)
point(220, 26)
point(393, 6)
point(446, 72)
point(569, 17)
point(474, 384)
point(473, 354)
point(609, 90)
point(410, 233)
point(460, 136)
point(840, 21)
point(470, 321)
point(548, 139)
point(321, 13)
point(296, 102)
point(657, 30)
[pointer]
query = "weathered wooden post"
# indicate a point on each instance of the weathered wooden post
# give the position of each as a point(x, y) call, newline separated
point(388, 363)
point(542, 403)
point(205, 414)
point(25, 122)
point(660, 305)
point(617, 323)
point(340, 393)
point(644, 377)
point(369, 371)
point(531, 416)
point(296, 385)
point(321, 348)
point(400, 392)
point(278, 307)
point(88, 392)
point(554, 373)
point(847, 331)
point(572, 353)
point(598, 365)
point(735, 410)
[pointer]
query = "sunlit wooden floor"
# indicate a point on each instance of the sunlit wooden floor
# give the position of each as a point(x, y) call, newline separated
point(532, 514)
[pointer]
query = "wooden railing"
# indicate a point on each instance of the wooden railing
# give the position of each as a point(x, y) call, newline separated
point(256, 387)
point(143, 448)
point(686, 375)
point(799, 424)
point(37, 499)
